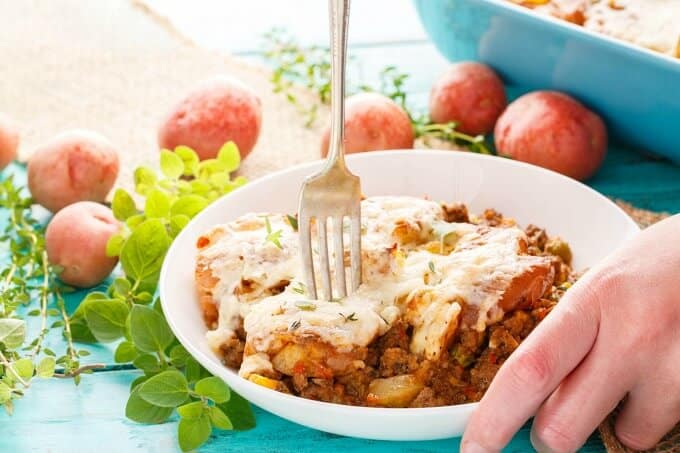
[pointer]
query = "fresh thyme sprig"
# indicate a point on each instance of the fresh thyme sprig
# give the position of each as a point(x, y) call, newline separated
point(272, 236)
point(351, 317)
point(305, 305)
point(423, 128)
point(28, 281)
point(300, 288)
point(293, 221)
point(310, 67)
point(391, 85)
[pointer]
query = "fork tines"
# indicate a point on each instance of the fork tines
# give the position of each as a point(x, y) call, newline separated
point(337, 227)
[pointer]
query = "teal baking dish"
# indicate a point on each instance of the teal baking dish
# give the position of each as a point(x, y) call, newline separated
point(637, 91)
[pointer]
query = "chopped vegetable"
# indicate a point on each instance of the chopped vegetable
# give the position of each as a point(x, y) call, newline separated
point(264, 381)
point(463, 357)
point(558, 247)
point(397, 391)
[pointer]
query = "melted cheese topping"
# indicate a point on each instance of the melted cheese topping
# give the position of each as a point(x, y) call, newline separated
point(654, 24)
point(241, 254)
point(477, 273)
point(416, 267)
point(354, 321)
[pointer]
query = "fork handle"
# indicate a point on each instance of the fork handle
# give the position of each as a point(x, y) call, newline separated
point(339, 16)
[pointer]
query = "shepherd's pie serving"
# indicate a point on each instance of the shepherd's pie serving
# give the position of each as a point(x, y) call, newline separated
point(445, 298)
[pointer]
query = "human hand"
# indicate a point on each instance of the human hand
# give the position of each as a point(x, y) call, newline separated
point(615, 333)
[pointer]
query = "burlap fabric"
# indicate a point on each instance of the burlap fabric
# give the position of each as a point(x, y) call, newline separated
point(110, 66)
point(115, 67)
point(670, 443)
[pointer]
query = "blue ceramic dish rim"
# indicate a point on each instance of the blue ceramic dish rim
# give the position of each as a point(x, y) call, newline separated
point(622, 46)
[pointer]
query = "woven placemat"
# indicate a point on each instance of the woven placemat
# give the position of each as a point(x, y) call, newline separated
point(116, 67)
point(669, 444)
point(113, 67)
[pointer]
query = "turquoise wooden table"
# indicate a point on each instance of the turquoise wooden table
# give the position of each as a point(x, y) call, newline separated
point(57, 416)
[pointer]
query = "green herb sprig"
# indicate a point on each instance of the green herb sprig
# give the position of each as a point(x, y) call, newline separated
point(29, 288)
point(446, 233)
point(425, 129)
point(293, 221)
point(305, 305)
point(300, 288)
point(310, 67)
point(272, 236)
point(351, 317)
point(391, 85)
point(172, 380)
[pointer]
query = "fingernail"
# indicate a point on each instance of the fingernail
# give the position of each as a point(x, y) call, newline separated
point(472, 447)
point(538, 443)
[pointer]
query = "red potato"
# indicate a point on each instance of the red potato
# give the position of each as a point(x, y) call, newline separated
point(471, 94)
point(74, 166)
point(554, 131)
point(218, 110)
point(76, 240)
point(373, 122)
point(9, 141)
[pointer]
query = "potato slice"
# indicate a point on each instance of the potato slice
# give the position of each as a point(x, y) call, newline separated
point(315, 359)
point(264, 381)
point(290, 358)
point(397, 391)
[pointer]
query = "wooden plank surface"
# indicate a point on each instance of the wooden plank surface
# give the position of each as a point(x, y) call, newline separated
point(58, 417)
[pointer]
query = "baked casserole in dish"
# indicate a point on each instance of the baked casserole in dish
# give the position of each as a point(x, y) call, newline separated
point(619, 57)
point(652, 24)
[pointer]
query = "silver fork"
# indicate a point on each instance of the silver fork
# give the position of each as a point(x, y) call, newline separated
point(333, 193)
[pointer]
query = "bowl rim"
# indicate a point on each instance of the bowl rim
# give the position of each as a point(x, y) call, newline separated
point(666, 60)
point(218, 370)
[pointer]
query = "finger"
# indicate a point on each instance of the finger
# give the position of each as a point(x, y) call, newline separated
point(582, 401)
point(535, 369)
point(650, 412)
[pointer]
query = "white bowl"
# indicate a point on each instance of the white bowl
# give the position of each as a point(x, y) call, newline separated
point(592, 224)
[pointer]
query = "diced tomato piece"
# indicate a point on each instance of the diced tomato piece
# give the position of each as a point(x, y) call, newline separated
point(492, 358)
point(202, 242)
